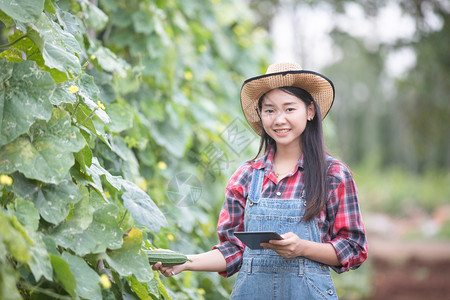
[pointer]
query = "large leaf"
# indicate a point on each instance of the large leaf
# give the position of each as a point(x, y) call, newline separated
point(64, 274)
point(26, 213)
point(23, 10)
point(13, 239)
point(62, 94)
point(87, 279)
point(45, 153)
point(51, 200)
point(40, 264)
point(121, 117)
point(130, 259)
point(169, 136)
point(26, 90)
point(95, 17)
point(59, 47)
point(142, 208)
point(102, 233)
point(8, 285)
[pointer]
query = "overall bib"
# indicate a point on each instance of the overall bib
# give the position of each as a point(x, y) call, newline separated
point(265, 274)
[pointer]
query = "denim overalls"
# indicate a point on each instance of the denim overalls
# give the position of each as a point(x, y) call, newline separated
point(265, 274)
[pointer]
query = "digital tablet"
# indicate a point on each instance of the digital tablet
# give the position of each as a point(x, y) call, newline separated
point(252, 239)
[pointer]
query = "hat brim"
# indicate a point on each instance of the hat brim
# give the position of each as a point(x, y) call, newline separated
point(319, 86)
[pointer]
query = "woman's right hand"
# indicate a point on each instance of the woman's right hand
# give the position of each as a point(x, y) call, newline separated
point(169, 271)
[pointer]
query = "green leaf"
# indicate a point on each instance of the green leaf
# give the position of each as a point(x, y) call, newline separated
point(142, 208)
point(95, 17)
point(40, 264)
point(64, 274)
point(14, 239)
point(26, 213)
point(58, 47)
point(8, 288)
point(96, 171)
point(48, 6)
point(102, 233)
point(170, 137)
point(62, 94)
point(87, 279)
point(89, 93)
point(51, 200)
point(121, 117)
point(24, 98)
point(45, 153)
point(130, 259)
point(23, 10)
point(140, 288)
point(109, 61)
point(84, 157)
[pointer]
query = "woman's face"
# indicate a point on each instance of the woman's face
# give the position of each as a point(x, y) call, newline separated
point(284, 117)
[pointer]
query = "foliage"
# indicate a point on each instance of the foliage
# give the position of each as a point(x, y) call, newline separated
point(101, 105)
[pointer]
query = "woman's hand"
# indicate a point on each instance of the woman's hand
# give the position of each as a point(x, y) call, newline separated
point(290, 246)
point(170, 270)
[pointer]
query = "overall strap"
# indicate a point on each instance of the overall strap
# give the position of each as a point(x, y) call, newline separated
point(256, 186)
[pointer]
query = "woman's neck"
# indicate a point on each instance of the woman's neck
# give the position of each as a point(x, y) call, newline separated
point(286, 158)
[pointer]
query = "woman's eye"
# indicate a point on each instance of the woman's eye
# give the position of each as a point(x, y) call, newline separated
point(269, 111)
point(290, 109)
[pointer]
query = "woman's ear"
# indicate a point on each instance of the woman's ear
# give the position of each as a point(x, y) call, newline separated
point(311, 111)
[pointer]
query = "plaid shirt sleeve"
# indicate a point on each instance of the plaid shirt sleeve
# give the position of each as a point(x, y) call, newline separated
point(231, 219)
point(342, 219)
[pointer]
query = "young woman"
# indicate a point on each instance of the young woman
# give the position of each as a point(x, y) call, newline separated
point(295, 189)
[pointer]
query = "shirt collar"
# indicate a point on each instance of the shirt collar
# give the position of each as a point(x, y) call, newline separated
point(266, 162)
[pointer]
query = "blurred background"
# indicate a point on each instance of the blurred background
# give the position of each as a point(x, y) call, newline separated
point(169, 74)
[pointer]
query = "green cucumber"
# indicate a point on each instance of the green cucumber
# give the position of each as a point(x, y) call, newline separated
point(168, 258)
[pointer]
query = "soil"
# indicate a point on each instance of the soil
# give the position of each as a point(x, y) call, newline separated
point(412, 280)
point(405, 269)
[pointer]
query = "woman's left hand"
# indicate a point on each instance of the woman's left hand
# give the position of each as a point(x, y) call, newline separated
point(290, 246)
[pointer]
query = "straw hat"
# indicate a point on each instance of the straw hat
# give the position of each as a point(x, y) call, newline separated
point(280, 75)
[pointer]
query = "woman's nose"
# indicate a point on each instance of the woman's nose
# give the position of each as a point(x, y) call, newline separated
point(280, 117)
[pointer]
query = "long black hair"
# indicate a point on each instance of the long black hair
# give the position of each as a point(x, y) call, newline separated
point(314, 155)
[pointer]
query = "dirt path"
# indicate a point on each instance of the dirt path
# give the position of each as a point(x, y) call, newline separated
point(405, 269)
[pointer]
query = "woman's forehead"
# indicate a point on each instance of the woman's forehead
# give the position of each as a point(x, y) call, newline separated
point(279, 97)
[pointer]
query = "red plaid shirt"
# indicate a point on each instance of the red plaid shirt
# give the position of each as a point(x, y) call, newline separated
point(340, 221)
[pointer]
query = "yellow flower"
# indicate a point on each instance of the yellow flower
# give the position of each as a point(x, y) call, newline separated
point(100, 104)
point(239, 30)
point(5, 179)
point(142, 183)
point(162, 165)
point(104, 281)
point(107, 194)
point(73, 89)
point(170, 237)
point(201, 291)
point(188, 75)
point(93, 57)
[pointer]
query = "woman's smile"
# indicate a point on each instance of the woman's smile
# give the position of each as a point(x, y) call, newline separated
point(284, 117)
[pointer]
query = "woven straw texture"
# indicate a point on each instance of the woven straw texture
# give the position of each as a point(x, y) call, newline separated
point(280, 75)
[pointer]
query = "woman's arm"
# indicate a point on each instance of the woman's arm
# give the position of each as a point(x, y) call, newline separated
point(211, 261)
point(293, 246)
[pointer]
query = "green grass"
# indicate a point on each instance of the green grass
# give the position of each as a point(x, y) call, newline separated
point(395, 191)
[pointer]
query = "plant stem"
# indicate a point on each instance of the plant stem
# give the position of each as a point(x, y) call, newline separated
point(12, 43)
point(90, 115)
point(123, 218)
point(31, 288)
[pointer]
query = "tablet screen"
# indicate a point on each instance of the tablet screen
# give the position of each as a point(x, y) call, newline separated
point(252, 239)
